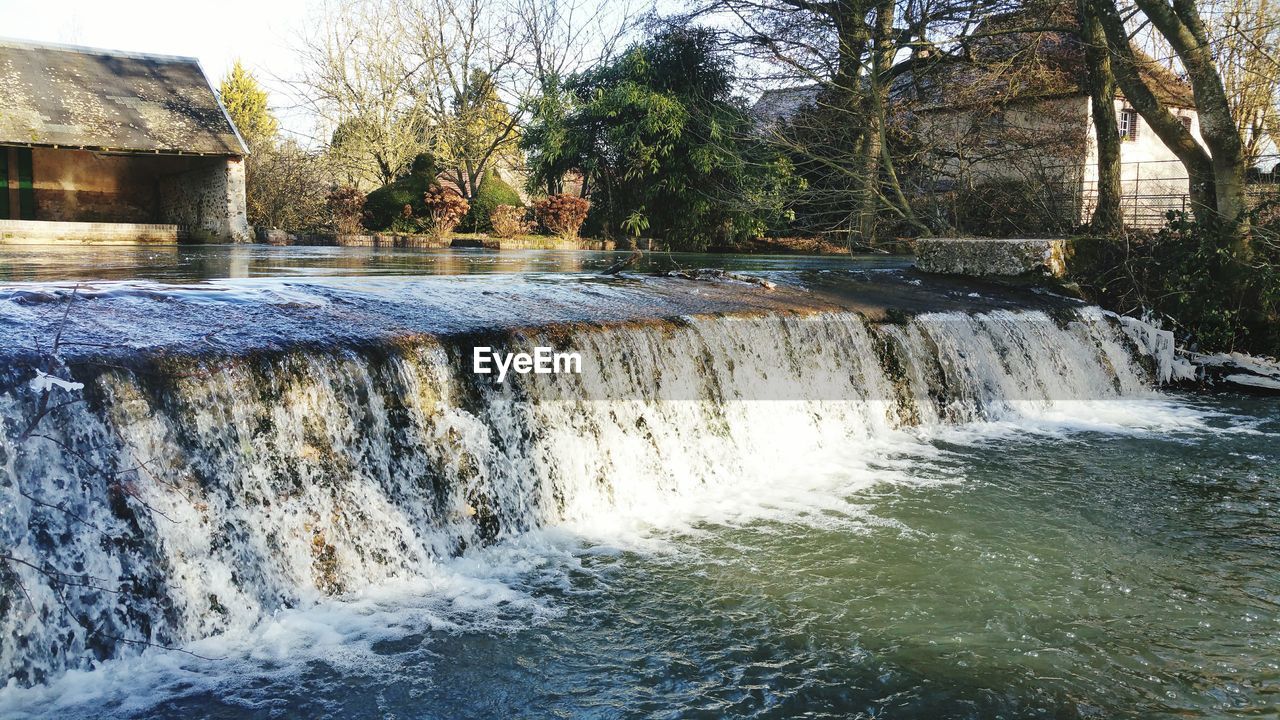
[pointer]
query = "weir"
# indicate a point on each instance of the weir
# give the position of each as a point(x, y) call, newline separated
point(238, 448)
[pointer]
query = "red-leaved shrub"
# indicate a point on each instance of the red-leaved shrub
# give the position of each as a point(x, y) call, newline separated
point(446, 209)
point(562, 215)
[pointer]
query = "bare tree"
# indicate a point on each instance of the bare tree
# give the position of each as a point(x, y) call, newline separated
point(854, 54)
point(557, 38)
point(361, 83)
point(1244, 35)
point(465, 49)
point(287, 187)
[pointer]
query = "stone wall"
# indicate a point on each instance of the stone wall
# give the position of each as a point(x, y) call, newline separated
point(209, 199)
point(991, 257)
point(281, 237)
point(531, 242)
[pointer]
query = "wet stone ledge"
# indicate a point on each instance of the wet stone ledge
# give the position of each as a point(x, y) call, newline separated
point(992, 257)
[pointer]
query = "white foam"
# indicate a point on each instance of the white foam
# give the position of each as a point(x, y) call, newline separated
point(274, 484)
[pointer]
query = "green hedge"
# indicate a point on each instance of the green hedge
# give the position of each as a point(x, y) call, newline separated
point(384, 207)
point(491, 193)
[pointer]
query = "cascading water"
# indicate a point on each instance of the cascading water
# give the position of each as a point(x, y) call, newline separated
point(189, 497)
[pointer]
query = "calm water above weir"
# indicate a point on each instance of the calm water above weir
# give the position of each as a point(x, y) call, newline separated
point(968, 505)
point(186, 263)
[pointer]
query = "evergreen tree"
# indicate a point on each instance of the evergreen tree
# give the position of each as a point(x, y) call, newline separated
point(660, 144)
point(246, 103)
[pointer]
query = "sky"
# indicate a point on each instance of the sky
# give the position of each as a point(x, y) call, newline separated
point(258, 32)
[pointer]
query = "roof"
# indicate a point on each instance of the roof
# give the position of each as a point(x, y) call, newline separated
point(65, 96)
point(1024, 55)
point(781, 104)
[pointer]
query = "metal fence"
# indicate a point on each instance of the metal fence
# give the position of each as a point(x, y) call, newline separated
point(1150, 190)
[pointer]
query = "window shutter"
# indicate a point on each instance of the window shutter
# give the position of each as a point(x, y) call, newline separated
point(1133, 124)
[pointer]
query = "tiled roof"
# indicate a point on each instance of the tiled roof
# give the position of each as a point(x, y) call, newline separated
point(102, 99)
point(781, 104)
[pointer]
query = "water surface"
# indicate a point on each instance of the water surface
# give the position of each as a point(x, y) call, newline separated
point(1070, 558)
point(1117, 560)
point(187, 263)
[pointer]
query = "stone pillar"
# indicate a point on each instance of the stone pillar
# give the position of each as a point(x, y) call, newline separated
point(237, 217)
point(208, 200)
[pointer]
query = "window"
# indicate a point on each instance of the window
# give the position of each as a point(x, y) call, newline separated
point(1128, 123)
point(1186, 122)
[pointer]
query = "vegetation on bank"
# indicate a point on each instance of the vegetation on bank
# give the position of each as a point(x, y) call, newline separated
point(1192, 277)
point(658, 142)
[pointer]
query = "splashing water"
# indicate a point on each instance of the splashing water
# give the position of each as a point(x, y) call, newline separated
point(329, 503)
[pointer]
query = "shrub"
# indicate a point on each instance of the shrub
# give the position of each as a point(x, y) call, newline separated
point(562, 215)
point(384, 207)
point(286, 187)
point(508, 221)
point(1187, 276)
point(445, 208)
point(407, 223)
point(491, 193)
point(346, 209)
point(1007, 208)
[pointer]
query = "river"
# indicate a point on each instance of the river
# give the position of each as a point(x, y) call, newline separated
point(734, 512)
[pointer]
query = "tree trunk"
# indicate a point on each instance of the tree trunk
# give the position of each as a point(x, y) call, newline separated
point(1180, 24)
point(1166, 125)
point(1108, 216)
point(884, 48)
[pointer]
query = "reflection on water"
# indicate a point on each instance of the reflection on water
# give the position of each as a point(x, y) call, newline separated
point(186, 263)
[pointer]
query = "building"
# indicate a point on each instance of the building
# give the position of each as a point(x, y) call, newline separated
point(1016, 110)
point(99, 145)
point(1019, 111)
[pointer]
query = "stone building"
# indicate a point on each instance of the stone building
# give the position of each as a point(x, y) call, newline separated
point(100, 145)
point(1015, 109)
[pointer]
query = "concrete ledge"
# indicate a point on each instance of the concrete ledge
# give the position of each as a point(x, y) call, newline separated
point(534, 242)
point(988, 257)
point(41, 232)
point(281, 237)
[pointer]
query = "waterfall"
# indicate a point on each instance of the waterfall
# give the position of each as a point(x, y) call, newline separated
point(174, 498)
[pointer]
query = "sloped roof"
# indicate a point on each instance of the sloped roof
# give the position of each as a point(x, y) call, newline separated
point(107, 100)
point(1015, 57)
point(781, 104)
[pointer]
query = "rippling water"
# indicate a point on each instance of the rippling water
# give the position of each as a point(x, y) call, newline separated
point(186, 263)
point(1110, 560)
